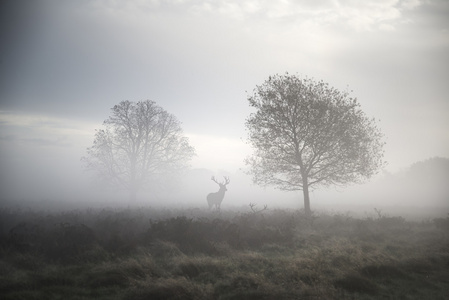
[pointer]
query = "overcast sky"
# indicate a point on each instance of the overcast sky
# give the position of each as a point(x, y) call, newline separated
point(64, 64)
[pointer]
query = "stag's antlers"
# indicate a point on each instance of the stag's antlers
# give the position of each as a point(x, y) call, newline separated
point(253, 205)
point(227, 181)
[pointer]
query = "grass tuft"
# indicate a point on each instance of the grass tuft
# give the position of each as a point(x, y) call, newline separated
point(167, 289)
point(382, 271)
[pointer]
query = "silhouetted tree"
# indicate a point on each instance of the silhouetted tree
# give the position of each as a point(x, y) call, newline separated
point(307, 134)
point(140, 144)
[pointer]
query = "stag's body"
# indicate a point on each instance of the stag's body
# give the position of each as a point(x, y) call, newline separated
point(217, 198)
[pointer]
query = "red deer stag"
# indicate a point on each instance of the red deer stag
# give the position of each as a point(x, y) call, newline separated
point(216, 198)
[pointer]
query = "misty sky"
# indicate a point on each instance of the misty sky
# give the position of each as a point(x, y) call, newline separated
point(64, 64)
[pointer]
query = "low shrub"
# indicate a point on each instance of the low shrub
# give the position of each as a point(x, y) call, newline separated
point(161, 249)
point(238, 286)
point(264, 254)
point(356, 283)
point(442, 223)
point(68, 241)
point(418, 265)
point(107, 278)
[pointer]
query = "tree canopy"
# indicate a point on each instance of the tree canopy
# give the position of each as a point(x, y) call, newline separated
point(307, 134)
point(141, 144)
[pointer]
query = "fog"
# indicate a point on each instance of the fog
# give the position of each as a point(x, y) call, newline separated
point(64, 65)
point(46, 178)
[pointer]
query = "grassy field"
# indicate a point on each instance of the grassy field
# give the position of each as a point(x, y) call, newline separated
point(193, 254)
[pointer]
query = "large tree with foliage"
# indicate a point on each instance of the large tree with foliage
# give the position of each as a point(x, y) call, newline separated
point(140, 145)
point(307, 134)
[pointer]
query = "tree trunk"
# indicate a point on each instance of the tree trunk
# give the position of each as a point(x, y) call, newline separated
point(133, 186)
point(305, 191)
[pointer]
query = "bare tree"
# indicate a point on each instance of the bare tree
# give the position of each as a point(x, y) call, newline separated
point(140, 145)
point(217, 198)
point(307, 134)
